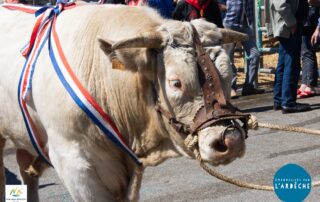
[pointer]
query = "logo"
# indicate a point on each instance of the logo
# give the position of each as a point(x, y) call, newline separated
point(16, 193)
point(292, 183)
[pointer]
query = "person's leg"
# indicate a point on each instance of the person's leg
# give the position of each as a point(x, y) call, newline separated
point(253, 57)
point(292, 68)
point(230, 52)
point(315, 73)
point(309, 65)
point(309, 61)
point(291, 60)
point(305, 58)
point(279, 73)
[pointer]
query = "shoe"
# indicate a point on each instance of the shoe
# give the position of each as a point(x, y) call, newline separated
point(298, 107)
point(305, 94)
point(277, 106)
point(301, 89)
point(299, 92)
point(234, 94)
point(252, 91)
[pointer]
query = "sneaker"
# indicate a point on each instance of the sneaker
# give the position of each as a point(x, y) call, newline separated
point(252, 91)
point(234, 94)
point(298, 107)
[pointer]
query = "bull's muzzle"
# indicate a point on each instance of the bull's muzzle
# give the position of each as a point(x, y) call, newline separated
point(221, 144)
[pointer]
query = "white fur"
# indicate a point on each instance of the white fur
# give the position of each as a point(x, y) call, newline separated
point(91, 167)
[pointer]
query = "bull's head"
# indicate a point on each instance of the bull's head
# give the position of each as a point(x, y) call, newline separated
point(176, 76)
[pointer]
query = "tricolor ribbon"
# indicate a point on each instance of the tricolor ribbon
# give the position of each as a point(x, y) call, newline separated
point(45, 31)
point(20, 7)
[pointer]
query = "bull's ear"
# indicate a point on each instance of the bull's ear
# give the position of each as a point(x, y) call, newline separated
point(135, 54)
point(106, 47)
point(230, 36)
point(152, 40)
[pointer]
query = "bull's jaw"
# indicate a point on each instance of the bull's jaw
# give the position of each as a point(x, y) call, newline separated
point(158, 155)
point(214, 151)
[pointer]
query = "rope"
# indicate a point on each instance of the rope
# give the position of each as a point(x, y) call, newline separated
point(237, 182)
point(254, 124)
point(290, 128)
point(191, 143)
point(230, 180)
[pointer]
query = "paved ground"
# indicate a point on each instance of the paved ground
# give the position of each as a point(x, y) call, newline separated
point(183, 180)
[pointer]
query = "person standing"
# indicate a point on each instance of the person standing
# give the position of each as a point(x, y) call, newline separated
point(308, 56)
point(240, 17)
point(287, 18)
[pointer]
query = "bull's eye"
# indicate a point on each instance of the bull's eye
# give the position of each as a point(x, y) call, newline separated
point(175, 83)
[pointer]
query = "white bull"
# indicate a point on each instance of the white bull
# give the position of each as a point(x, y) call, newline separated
point(91, 166)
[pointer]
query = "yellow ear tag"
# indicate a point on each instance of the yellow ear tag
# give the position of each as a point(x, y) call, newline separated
point(116, 64)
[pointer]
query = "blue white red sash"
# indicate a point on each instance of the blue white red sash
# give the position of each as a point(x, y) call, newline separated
point(43, 32)
point(21, 7)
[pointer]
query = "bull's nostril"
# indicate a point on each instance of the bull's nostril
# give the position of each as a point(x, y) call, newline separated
point(219, 146)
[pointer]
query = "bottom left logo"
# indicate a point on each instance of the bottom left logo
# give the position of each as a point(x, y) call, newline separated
point(16, 193)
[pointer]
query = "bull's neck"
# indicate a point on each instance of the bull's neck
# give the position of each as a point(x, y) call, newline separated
point(128, 98)
point(125, 97)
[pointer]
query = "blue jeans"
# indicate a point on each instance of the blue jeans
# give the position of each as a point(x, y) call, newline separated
point(252, 53)
point(309, 59)
point(288, 69)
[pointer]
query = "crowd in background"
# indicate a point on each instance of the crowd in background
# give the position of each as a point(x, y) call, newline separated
point(295, 25)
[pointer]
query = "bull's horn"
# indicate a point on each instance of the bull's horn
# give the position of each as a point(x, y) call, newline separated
point(145, 40)
point(230, 36)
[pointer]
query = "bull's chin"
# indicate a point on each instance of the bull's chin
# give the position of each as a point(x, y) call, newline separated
point(216, 161)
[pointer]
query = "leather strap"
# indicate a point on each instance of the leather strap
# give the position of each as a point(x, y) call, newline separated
point(215, 105)
point(211, 87)
point(177, 125)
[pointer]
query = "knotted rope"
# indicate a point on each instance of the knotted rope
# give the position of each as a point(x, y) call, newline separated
point(191, 143)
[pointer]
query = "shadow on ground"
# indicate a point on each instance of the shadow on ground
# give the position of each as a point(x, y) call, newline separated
point(11, 178)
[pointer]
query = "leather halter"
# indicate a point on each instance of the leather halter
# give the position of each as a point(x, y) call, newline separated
point(216, 108)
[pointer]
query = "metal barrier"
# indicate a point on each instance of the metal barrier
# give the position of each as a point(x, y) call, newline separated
point(263, 25)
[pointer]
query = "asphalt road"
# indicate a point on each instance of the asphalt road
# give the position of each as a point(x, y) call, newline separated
point(183, 179)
